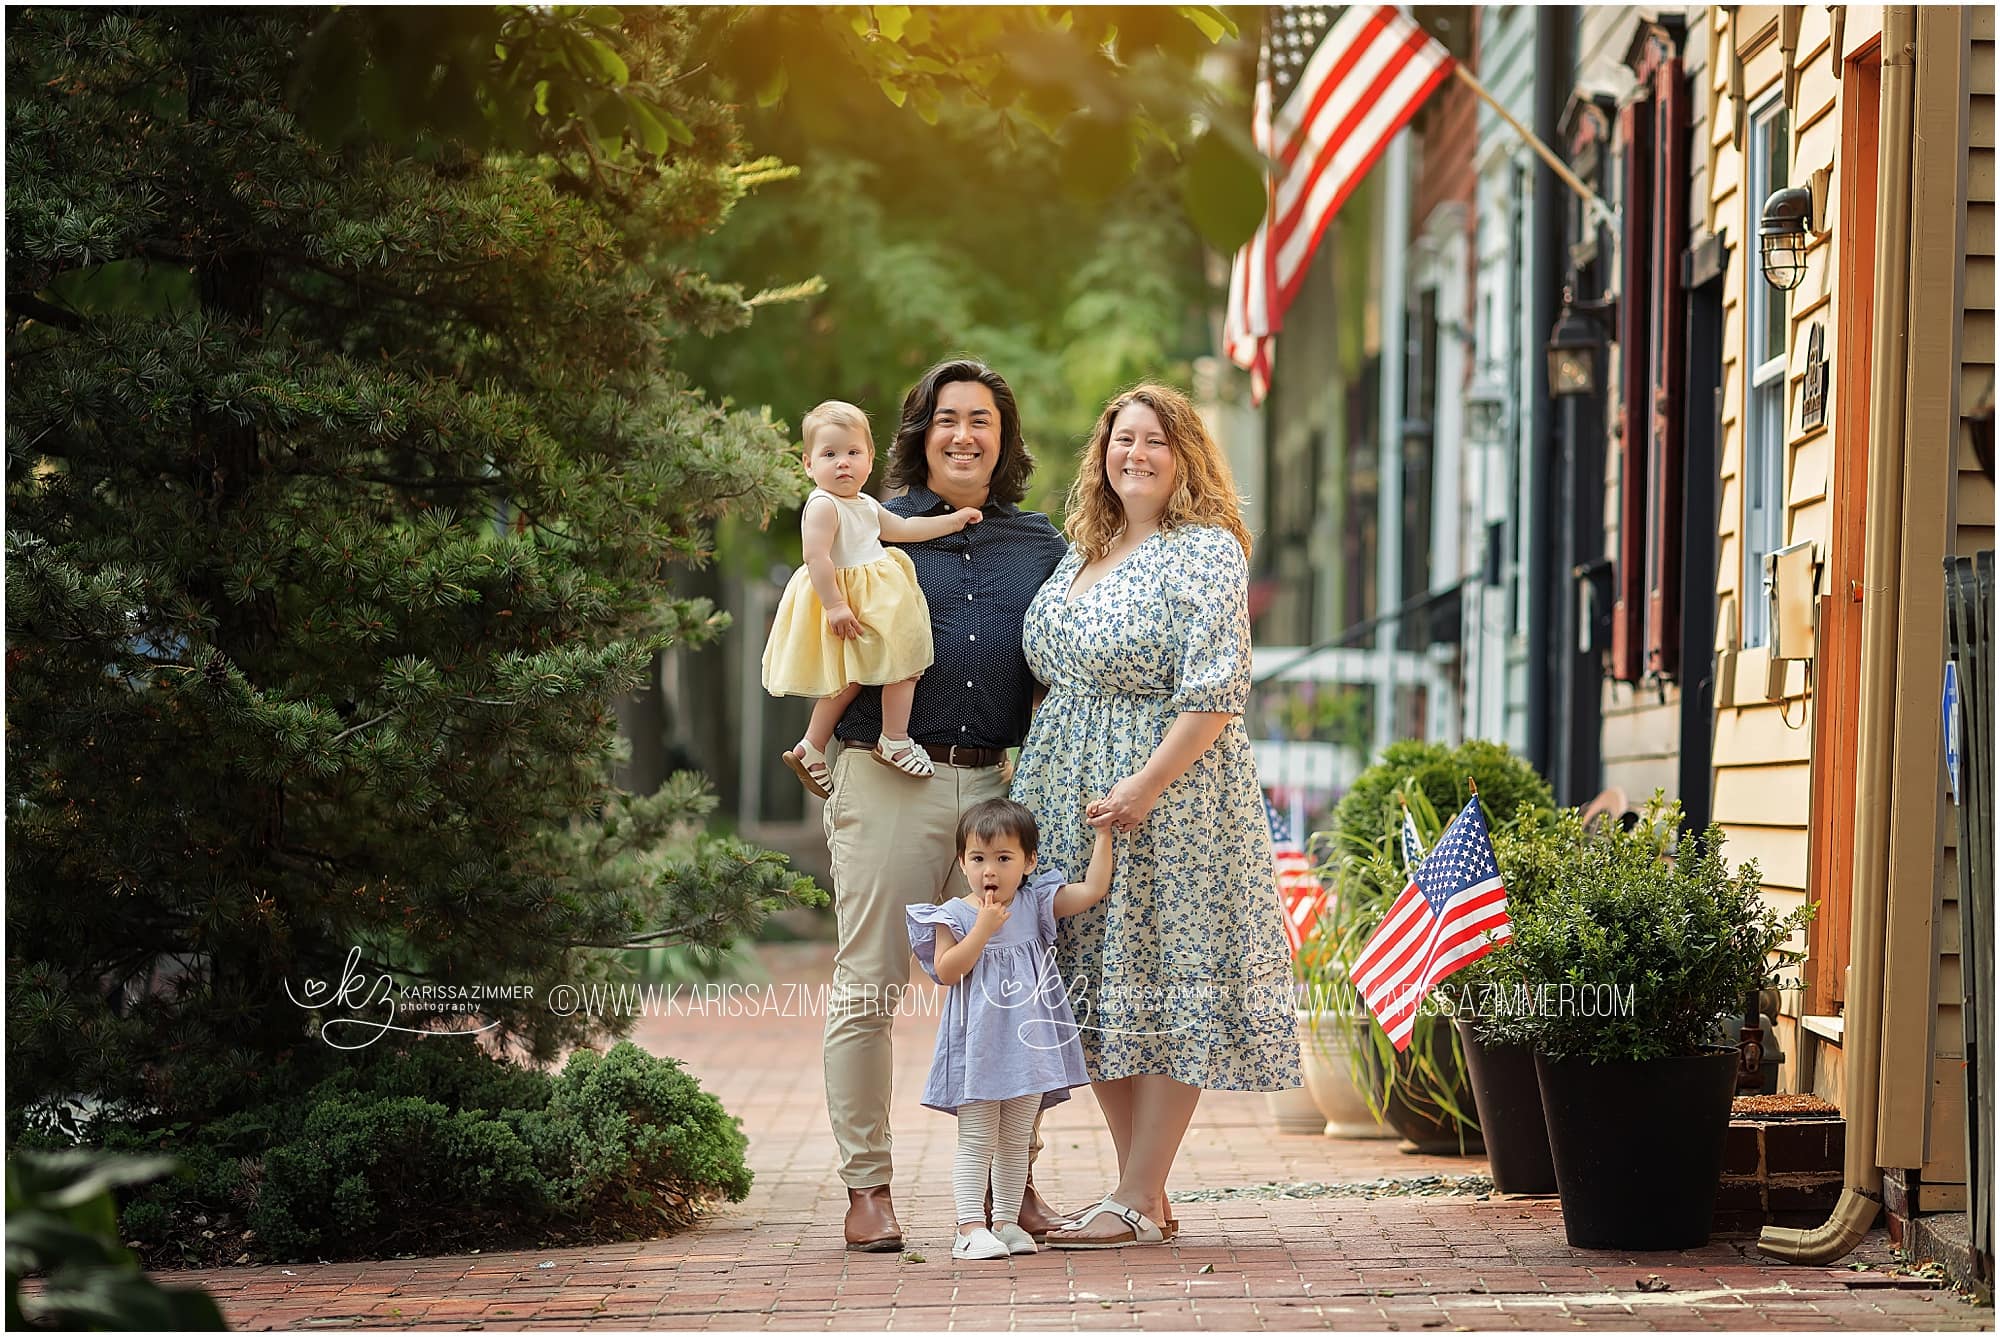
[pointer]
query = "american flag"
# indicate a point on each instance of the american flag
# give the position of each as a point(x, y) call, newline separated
point(1299, 888)
point(1453, 912)
point(1334, 85)
point(1413, 844)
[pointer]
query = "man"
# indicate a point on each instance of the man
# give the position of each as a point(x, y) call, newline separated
point(891, 835)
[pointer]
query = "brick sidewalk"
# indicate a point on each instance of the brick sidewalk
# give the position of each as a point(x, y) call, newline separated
point(775, 1261)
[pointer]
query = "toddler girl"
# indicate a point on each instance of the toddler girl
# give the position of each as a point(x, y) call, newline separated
point(1007, 1043)
point(853, 614)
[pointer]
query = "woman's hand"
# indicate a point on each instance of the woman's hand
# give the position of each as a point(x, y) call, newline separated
point(840, 620)
point(1125, 808)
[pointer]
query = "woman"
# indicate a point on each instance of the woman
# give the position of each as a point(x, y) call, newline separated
point(1180, 979)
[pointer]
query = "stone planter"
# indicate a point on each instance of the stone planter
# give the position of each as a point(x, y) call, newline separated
point(1295, 1111)
point(1324, 1045)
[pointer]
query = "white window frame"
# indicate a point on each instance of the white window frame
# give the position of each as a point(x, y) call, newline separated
point(1764, 428)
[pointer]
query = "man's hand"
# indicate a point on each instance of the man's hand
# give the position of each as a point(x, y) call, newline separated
point(840, 620)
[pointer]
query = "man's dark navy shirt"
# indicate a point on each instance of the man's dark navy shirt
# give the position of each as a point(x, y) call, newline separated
point(978, 583)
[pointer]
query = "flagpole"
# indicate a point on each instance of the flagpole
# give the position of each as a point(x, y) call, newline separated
point(1547, 155)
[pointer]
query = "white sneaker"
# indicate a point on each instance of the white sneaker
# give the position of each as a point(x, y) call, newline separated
point(1016, 1239)
point(981, 1243)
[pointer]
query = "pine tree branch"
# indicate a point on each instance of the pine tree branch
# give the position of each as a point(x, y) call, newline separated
point(344, 734)
point(28, 306)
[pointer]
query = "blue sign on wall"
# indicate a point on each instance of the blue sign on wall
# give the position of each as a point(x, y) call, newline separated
point(1951, 729)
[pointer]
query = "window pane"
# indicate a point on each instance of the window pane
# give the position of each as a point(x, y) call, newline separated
point(1777, 142)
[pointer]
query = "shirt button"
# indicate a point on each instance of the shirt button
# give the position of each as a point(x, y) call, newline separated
point(968, 598)
point(968, 684)
point(968, 557)
point(961, 728)
point(971, 638)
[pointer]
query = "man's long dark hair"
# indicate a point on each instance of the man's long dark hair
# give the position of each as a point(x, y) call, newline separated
point(908, 466)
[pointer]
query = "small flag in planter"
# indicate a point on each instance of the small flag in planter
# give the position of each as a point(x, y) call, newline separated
point(1413, 845)
point(1453, 912)
point(1299, 889)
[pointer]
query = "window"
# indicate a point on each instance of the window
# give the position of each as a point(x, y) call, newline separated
point(1768, 320)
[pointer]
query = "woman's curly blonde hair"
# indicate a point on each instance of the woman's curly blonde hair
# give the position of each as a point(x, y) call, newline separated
point(1204, 492)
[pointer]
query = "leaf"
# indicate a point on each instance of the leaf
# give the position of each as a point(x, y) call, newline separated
point(773, 88)
point(892, 90)
point(652, 135)
point(1223, 192)
point(1214, 24)
point(609, 61)
point(892, 20)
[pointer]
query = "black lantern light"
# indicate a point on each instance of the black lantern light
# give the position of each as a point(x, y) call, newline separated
point(1782, 232)
point(1575, 349)
point(1485, 405)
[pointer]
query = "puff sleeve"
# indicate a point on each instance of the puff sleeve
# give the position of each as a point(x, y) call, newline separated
point(1208, 594)
point(1041, 892)
point(923, 921)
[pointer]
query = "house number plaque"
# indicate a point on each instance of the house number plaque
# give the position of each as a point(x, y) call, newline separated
point(1812, 401)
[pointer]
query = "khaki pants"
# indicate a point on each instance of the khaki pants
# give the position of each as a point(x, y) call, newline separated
point(893, 842)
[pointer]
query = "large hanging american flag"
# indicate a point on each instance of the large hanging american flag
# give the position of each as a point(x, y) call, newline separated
point(1453, 912)
point(1300, 891)
point(1334, 85)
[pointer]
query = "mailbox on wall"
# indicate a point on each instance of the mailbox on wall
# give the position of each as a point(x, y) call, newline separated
point(1791, 592)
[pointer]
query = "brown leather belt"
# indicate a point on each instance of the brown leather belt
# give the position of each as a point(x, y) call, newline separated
point(949, 754)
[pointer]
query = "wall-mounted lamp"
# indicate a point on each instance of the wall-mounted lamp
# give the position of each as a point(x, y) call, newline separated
point(1485, 405)
point(1576, 347)
point(1782, 232)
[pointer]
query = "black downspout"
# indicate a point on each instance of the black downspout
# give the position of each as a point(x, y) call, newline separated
point(1705, 266)
point(1553, 27)
point(1580, 727)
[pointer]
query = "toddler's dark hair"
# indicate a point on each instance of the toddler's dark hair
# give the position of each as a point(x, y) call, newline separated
point(998, 817)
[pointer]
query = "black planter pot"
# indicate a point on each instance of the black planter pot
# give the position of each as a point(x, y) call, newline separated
point(1509, 1099)
point(1638, 1147)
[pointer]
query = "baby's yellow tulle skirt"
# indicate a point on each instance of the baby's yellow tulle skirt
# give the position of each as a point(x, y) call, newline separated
point(804, 657)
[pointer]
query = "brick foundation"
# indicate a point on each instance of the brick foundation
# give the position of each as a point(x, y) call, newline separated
point(1780, 1170)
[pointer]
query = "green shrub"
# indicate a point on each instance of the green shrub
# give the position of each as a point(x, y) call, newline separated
point(383, 1174)
point(626, 1117)
point(439, 1145)
point(1507, 784)
point(1676, 937)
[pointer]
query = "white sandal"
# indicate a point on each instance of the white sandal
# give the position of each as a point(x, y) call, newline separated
point(908, 757)
point(809, 764)
point(1142, 1229)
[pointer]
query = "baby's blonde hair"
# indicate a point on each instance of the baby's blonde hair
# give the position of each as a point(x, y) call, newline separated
point(834, 413)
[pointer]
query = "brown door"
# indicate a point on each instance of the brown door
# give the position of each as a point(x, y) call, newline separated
point(1838, 690)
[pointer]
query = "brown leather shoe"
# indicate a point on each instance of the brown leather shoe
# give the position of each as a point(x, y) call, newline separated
point(871, 1221)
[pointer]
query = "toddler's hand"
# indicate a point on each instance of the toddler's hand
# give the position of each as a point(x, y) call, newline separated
point(842, 622)
point(992, 913)
point(966, 515)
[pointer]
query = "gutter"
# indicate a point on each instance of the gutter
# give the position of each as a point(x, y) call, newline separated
point(1552, 70)
point(1861, 1192)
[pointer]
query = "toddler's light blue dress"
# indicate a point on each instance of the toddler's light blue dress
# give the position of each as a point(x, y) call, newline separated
point(1008, 1029)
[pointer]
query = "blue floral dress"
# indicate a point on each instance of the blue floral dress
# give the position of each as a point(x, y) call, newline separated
point(1183, 969)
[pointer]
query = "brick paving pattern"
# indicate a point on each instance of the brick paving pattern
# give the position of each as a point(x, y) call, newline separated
point(775, 1262)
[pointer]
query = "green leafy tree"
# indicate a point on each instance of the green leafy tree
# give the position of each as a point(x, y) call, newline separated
point(347, 471)
point(1034, 211)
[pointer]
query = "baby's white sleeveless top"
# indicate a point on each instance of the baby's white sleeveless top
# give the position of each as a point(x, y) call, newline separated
point(859, 540)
